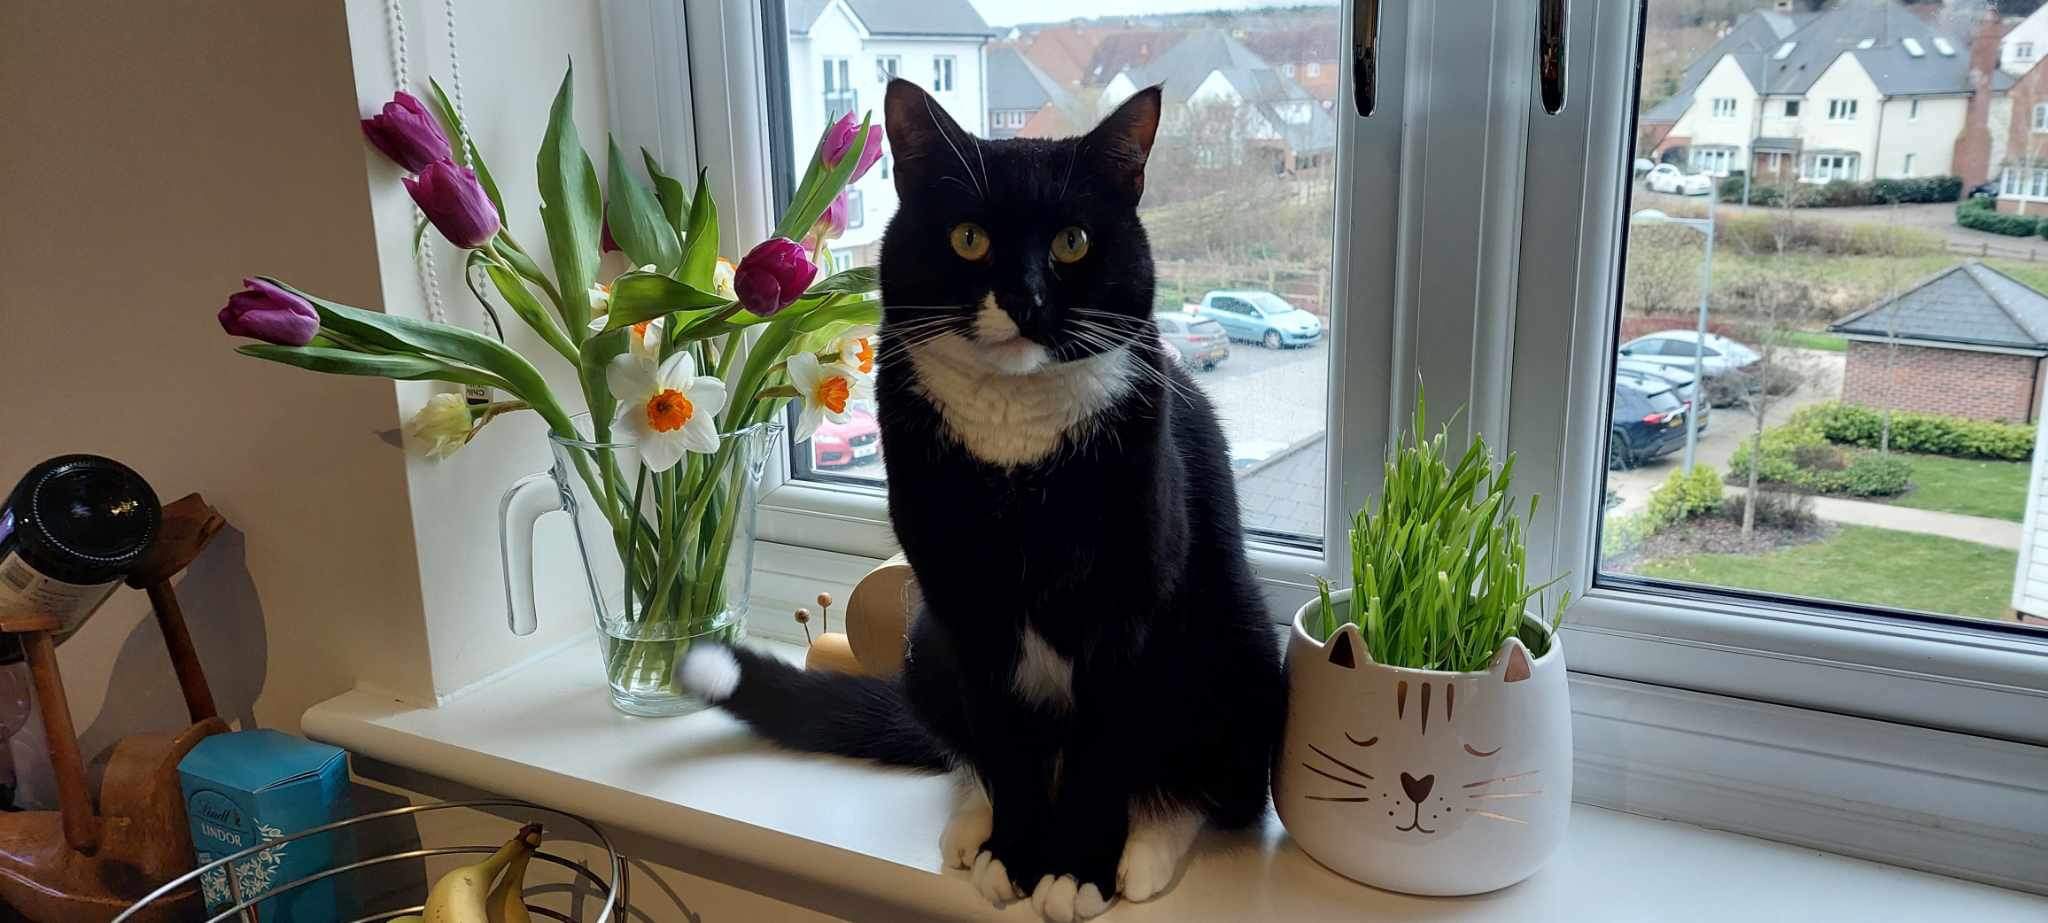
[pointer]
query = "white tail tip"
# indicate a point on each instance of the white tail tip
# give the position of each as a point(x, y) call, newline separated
point(709, 670)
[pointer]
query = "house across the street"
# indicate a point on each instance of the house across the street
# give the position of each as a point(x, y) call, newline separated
point(1969, 341)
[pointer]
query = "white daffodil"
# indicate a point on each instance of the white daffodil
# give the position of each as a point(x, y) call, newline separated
point(601, 293)
point(827, 391)
point(856, 349)
point(441, 427)
point(644, 343)
point(667, 410)
point(721, 279)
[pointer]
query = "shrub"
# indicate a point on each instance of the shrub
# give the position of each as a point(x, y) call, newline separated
point(1797, 455)
point(1620, 534)
point(1932, 434)
point(1777, 509)
point(1979, 215)
point(1759, 233)
point(1841, 193)
point(1683, 496)
point(1916, 189)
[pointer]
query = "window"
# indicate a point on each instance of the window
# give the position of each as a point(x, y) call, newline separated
point(886, 66)
point(1315, 68)
point(2037, 183)
point(1841, 110)
point(840, 97)
point(1784, 51)
point(2040, 121)
point(1713, 160)
point(1791, 108)
point(2023, 51)
point(1913, 109)
point(1912, 47)
point(1822, 168)
point(1942, 45)
point(1908, 169)
point(1724, 107)
point(1287, 70)
point(1206, 161)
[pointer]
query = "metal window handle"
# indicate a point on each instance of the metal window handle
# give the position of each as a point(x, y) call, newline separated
point(1365, 55)
point(1550, 73)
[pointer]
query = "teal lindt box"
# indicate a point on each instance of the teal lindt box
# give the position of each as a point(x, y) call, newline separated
point(250, 786)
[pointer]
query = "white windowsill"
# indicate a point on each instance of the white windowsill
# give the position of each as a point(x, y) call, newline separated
point(546, 733)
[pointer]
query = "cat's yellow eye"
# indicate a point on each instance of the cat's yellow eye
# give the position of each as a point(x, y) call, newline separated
point(1468, 749)
point(1070, 245)
point(969, 240)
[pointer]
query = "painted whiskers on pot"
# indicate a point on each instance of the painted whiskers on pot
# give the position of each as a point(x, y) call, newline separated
point(1439, 780)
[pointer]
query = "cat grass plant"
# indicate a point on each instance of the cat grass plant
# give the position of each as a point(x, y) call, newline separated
point(1439, 563)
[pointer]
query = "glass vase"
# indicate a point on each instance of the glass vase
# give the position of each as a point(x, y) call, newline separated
point(668, 554)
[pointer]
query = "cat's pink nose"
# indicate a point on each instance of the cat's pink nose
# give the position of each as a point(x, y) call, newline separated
point(1417, 789)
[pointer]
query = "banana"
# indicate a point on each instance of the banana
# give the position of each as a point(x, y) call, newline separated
point(507, 903)
point(459, 896)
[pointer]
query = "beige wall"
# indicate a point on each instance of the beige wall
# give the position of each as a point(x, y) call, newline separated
point(157, 153)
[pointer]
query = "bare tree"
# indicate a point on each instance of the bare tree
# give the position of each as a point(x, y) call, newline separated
point(1776, 307)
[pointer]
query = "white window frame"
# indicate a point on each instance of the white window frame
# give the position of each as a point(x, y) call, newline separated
point(1792, 108)
point(2039, 122)
point(2023, 51)
point(1841, 110)
point(945, 73)
point(1913, 109)
point(1315, 68)
point(888, 67)
point(1724, 107)
point(1838, 167)
point(1907, 168)
point(1659, 671)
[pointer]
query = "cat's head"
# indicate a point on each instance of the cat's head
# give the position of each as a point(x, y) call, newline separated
point(1418, 754)
point(1021, 253)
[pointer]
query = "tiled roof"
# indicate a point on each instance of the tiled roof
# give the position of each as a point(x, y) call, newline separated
point(1183, 67)
point(1970, 304)
point(896, 17)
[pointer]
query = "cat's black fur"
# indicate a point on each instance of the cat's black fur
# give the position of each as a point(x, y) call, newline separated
point(1122, 549)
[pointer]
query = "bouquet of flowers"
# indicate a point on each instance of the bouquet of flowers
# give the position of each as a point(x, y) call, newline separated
point(682, 362)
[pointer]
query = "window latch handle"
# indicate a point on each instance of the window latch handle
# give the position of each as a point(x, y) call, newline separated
point(1365, 55)
point(1550, 72)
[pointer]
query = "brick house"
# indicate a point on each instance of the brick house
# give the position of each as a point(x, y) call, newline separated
point(1968, 341)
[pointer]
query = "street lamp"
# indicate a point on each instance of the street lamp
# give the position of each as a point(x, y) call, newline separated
point(1699, 343)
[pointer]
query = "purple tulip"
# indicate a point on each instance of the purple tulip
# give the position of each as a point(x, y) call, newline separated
point(773, 275)
point(265, 311)
point(407, 133)
point(839, 138)
point(605, 243)
point(455, 202)
point(832, 223)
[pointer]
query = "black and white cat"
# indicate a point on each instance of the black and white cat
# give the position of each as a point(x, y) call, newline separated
point(1092, 647)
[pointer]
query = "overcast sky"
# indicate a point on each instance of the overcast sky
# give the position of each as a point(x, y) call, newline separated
point(1012, 12)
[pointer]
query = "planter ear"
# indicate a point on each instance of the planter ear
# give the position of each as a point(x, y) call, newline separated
point(1511, 665)
point(1347, 648)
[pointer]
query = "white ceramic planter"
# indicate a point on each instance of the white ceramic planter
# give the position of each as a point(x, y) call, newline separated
point(1424, 781)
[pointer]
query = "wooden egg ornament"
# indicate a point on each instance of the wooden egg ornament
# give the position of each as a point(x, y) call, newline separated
point(878, 617)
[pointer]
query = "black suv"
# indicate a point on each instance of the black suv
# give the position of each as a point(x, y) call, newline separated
point(1649, 421)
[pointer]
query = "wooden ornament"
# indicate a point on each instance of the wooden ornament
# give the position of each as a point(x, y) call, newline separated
point(830, 652)
point(878, 617)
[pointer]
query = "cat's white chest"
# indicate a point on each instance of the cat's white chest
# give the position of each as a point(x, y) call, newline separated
point(1017, 419)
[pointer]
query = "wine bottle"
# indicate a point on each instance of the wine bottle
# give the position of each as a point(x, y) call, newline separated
point(69, 532)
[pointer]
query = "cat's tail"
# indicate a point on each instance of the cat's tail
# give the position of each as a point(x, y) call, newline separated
point(863, 717)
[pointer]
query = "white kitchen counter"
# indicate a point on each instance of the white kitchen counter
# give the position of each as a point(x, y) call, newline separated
point(547, 733)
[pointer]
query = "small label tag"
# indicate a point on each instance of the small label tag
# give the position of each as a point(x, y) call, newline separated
point(26, 591)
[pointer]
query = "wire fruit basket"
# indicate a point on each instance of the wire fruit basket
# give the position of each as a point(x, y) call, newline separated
point(612, 889)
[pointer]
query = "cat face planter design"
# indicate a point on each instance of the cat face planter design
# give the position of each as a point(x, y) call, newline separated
point(1424, 781)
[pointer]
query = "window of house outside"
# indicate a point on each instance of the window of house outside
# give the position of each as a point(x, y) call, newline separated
point(886, 67)
point(2023, 51)
point(840, 95)
point(1315, 68)
point(1724, 107)
point(1209, 164)
point(1913, 109)
point(1907, 168)
point(1791, 108)
point(2040, 117)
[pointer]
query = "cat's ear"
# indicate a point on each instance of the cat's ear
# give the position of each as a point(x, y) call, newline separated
point(1122, 142)
point(922, 137)
point(1511, 665)
point(1346, 648)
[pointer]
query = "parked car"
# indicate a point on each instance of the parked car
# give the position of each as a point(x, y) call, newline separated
point(1648, 423)
point(1666, 177)
point(1197, 341)
point(1677, 378)
point(1256, 316)
point(858, 441)
point(1987, 190)
point(1728, 363)
point(1644, 165)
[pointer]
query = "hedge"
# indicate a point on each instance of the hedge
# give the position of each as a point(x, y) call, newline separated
point(1927, 433)
point(1840, 193)
point(1981, 215)
point(1683, 496)
point(1797, 455)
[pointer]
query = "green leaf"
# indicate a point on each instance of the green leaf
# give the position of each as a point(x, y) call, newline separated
point(848, 311)
point(570, 203)
point(442, 341)
point(596, 354)
point(337, 361)
point(858, 280)
point(675, 200)
point(641, 296)
point(700, 256)
point(513, 289)
point(818, 188)
point(451, 122)
point(636, 219)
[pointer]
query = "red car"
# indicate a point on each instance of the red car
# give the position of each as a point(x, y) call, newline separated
point(858, 441)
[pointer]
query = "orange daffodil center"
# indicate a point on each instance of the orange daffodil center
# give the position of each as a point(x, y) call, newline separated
point(827, 389)
point(832, 393)
point(665, 407)
point(668, 411)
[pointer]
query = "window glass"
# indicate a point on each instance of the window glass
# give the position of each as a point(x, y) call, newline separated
point(1260, 140)
point(1874, 367)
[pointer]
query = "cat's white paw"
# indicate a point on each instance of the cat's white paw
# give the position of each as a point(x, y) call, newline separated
point(1152, 854)
point(992, 880)
point(1065, 900)
point(966, 830)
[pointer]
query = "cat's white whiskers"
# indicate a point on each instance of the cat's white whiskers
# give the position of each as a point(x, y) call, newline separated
point(1489, 815)
point(1519, 775)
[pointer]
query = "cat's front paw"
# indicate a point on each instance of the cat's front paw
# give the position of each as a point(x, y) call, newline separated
point(966, 831)
point(992, 879)
point(1065, 899)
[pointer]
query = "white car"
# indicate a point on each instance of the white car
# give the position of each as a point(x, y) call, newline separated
point(1726, 361)
point(1644, 165)
point(1666, 177)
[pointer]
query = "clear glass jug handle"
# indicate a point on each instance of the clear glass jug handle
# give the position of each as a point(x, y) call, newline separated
point(534, 496)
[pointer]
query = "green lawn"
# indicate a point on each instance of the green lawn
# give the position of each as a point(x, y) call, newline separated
point(1884, 567)
point(1816, 339)
point(1974, 487)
